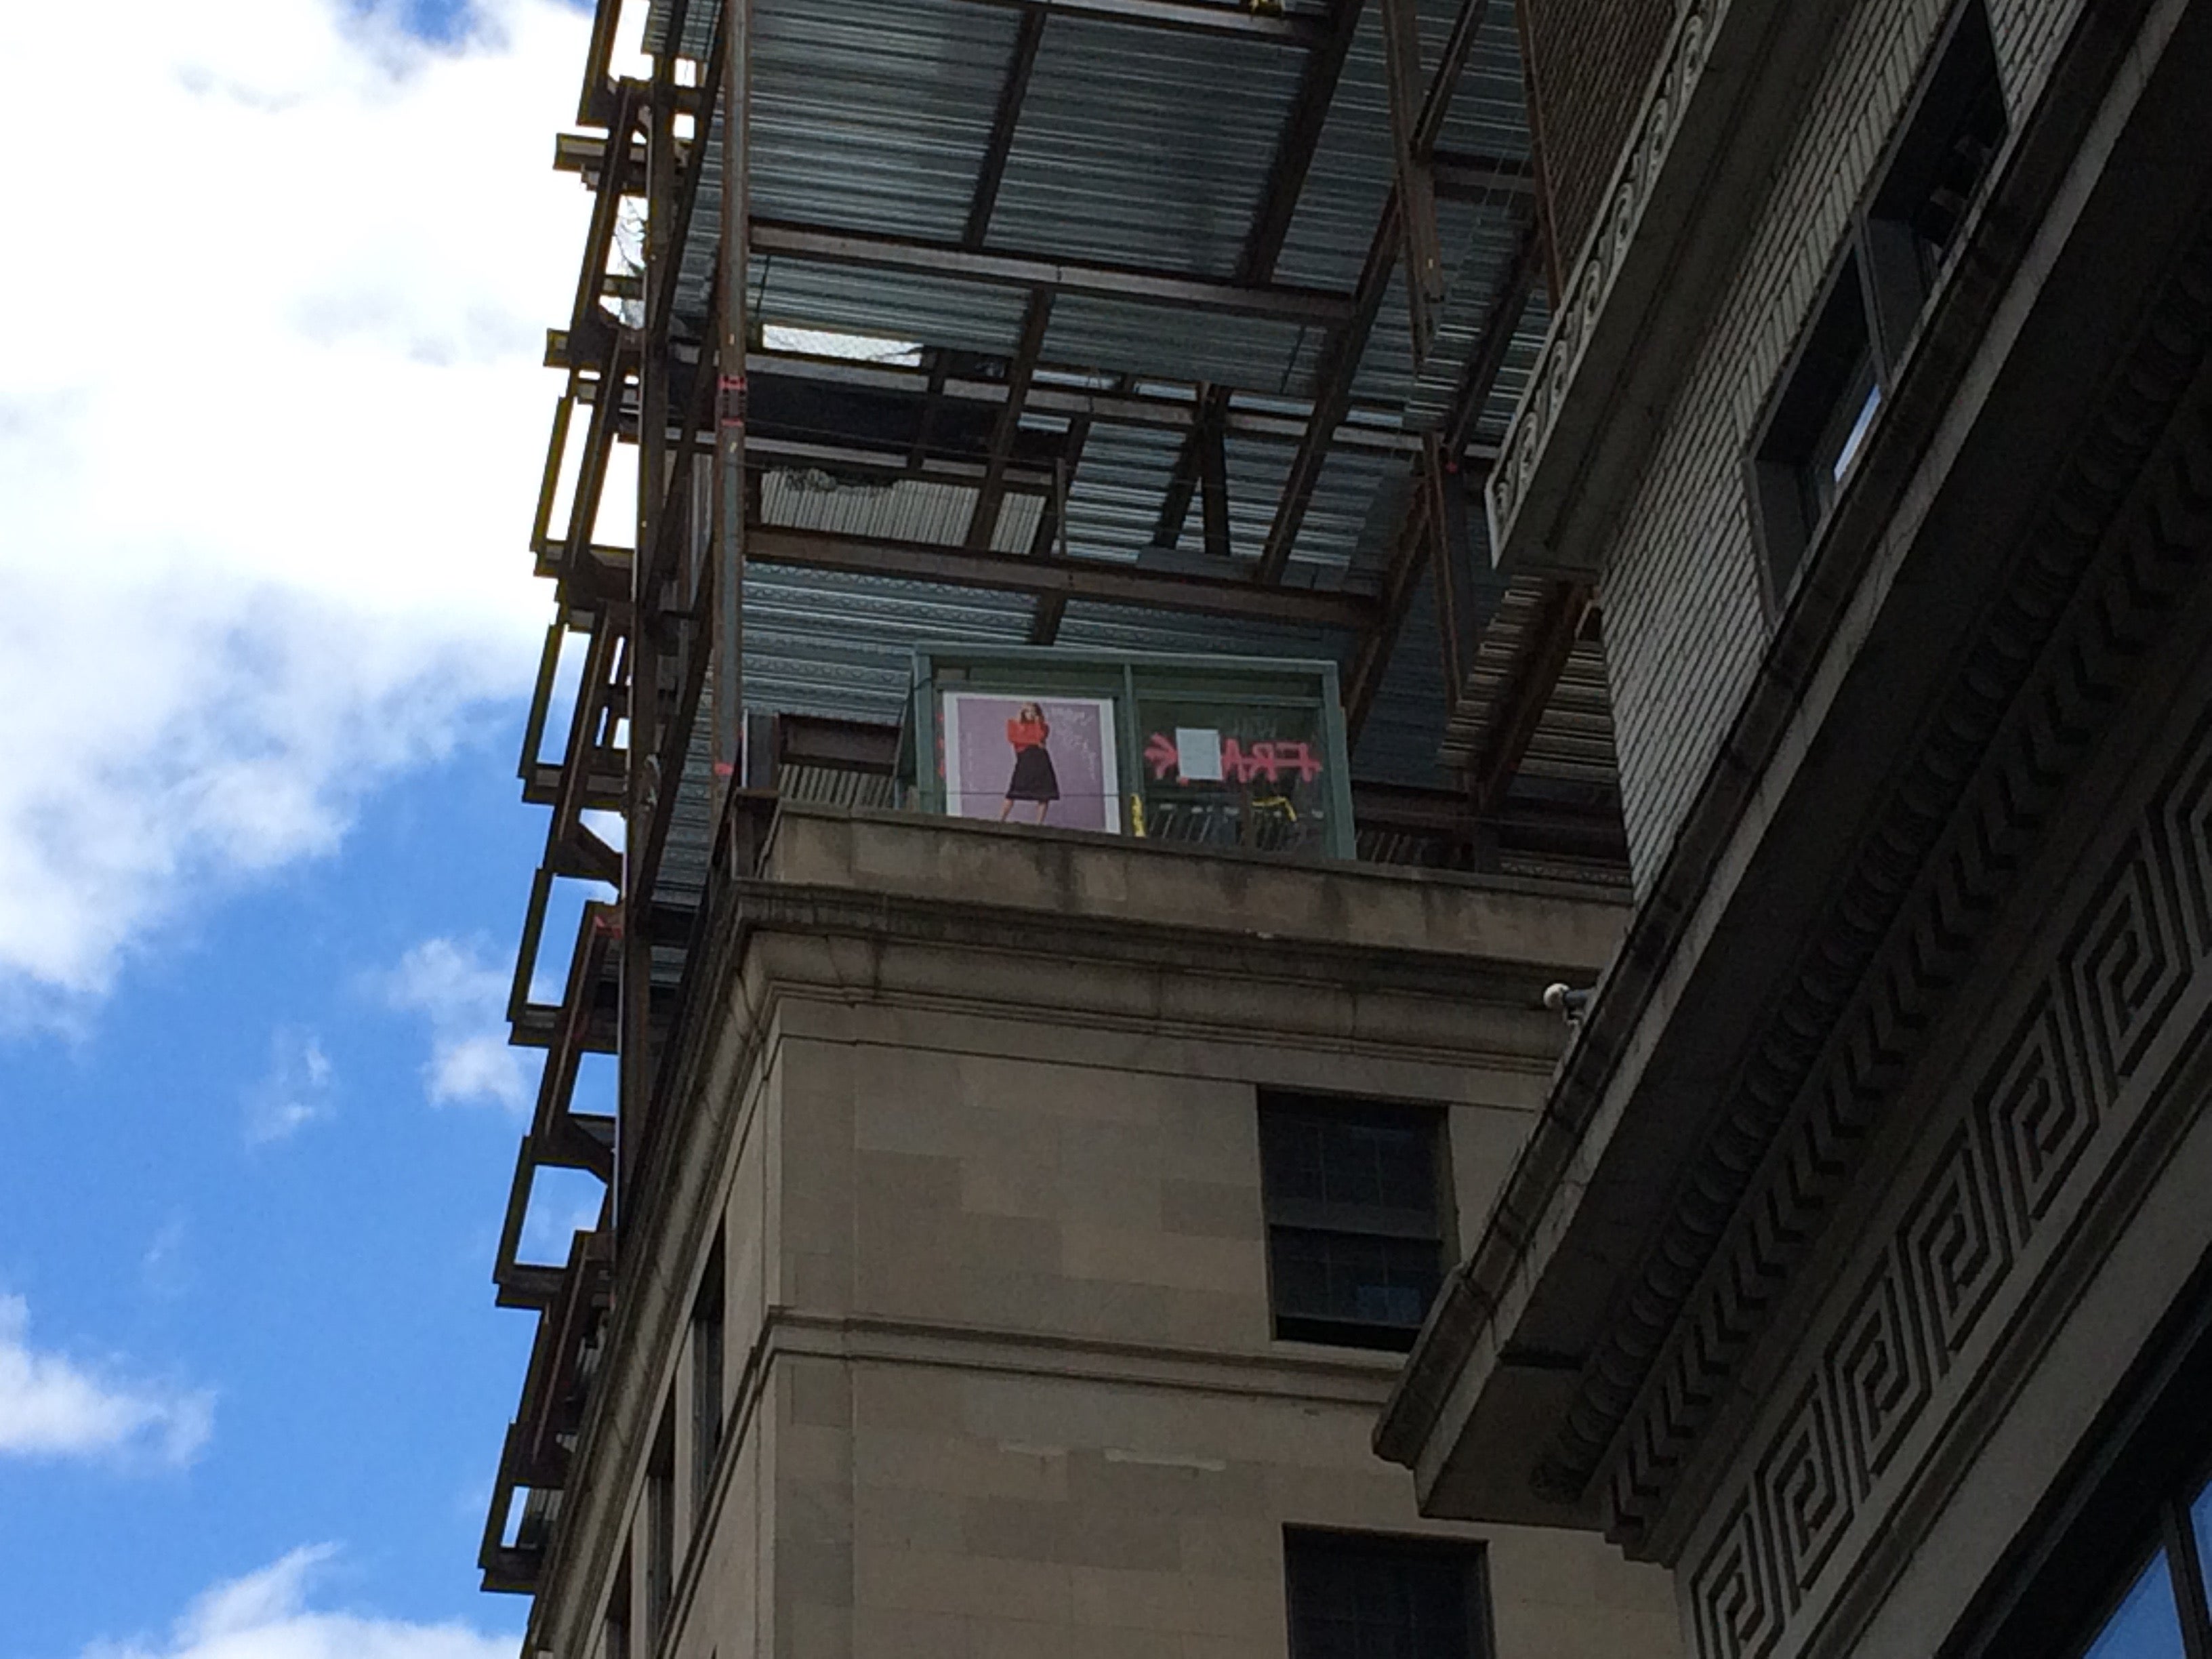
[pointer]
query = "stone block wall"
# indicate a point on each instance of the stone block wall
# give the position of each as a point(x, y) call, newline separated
point(1000, 1362)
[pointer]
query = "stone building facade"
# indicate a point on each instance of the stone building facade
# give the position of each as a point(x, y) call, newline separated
point(1859, 1271)
point(951, 1330)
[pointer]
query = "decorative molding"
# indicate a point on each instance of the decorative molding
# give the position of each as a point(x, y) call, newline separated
point(1585, 295)
point(2120, 541)
point(2022, 1142)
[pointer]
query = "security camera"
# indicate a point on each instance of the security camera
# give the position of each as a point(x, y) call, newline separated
point(1566, 1001)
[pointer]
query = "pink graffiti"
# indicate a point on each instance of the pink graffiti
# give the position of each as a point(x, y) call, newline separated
point(1271, 760)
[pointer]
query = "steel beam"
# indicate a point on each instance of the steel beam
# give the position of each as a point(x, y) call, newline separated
point(1213, 408)
point(1213, 487)
point(1421, 249)
point(1487, 360)
point(1051, 608)
point(1229, 21)
point(1332, 395)
point(1013, 88)
point(1512, 726)
point(589, 326)
point(1459, 177)
point(728, 575)
point(1435, 507)
point(1443, 85)
point(595, 104)
point(983, 522)
point(1068, 578)
point(1373, 427)
point(1263, 245)
point(1299, 138)
point(1333, 387)
point(1272, 301)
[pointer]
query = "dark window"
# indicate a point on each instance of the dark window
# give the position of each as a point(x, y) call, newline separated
point(707, 1379)
point(1355, 1218)
point(660, 1531)
point(1358, 1596)
point(1814, 430)
point(1827, 398)
point(1941, 161)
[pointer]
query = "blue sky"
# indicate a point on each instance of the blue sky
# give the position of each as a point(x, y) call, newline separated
point(266, 628)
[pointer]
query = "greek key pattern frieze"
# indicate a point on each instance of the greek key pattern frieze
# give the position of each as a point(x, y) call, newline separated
point(2023, 1141)
point(2119, 543)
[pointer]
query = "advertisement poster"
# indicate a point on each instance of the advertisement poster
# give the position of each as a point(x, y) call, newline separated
point(1031, 760)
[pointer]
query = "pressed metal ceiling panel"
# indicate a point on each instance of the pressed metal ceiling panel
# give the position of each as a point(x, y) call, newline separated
point(1128, 150)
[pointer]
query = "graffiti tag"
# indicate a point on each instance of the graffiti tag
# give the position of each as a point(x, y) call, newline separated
point(1273, 759)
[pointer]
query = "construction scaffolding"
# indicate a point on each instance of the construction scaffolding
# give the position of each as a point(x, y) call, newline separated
point(1163, 325)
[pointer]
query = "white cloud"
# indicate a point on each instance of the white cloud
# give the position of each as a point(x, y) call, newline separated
point(464, 996)
point(265, 1615)
point(297, 1089)
point(270, 422)
point(53, 1407)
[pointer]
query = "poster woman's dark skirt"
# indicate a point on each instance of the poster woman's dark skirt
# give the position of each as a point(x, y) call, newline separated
point(1034, 778)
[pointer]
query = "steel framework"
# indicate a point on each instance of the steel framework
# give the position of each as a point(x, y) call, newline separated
point(1310, 326)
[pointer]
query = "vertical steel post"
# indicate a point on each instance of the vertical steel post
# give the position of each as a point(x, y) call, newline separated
point(642, 795)
point(729, 568)
point(1417, 203)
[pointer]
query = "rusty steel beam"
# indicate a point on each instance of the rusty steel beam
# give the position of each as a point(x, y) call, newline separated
point(1467, 24)
point(1435, 507)
point(1213, 411)
point(1263, 243)
point(1051, 608)
point(1013, 88)
point(1348, 343)
point(1299, 139)
point(1373, 428)
point(590, 330)
point(1420, 247)
point(1551, 643)
point(1267, 300)
point(983, 521)
point(1105, 581)
point(1459, 177)
point(1257, 25)
point(1332, 395)
point(595, 104)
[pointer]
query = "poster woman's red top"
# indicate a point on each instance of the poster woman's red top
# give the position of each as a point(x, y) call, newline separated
point(1027, 734)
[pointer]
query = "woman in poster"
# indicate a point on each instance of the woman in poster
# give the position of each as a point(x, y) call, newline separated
point(1033, 778)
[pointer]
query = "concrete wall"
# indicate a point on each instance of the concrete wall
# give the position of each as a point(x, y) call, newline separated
point(999, 1344)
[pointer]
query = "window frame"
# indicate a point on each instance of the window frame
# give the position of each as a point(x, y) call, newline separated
point(1471, 1555)
point(1282, 1214)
